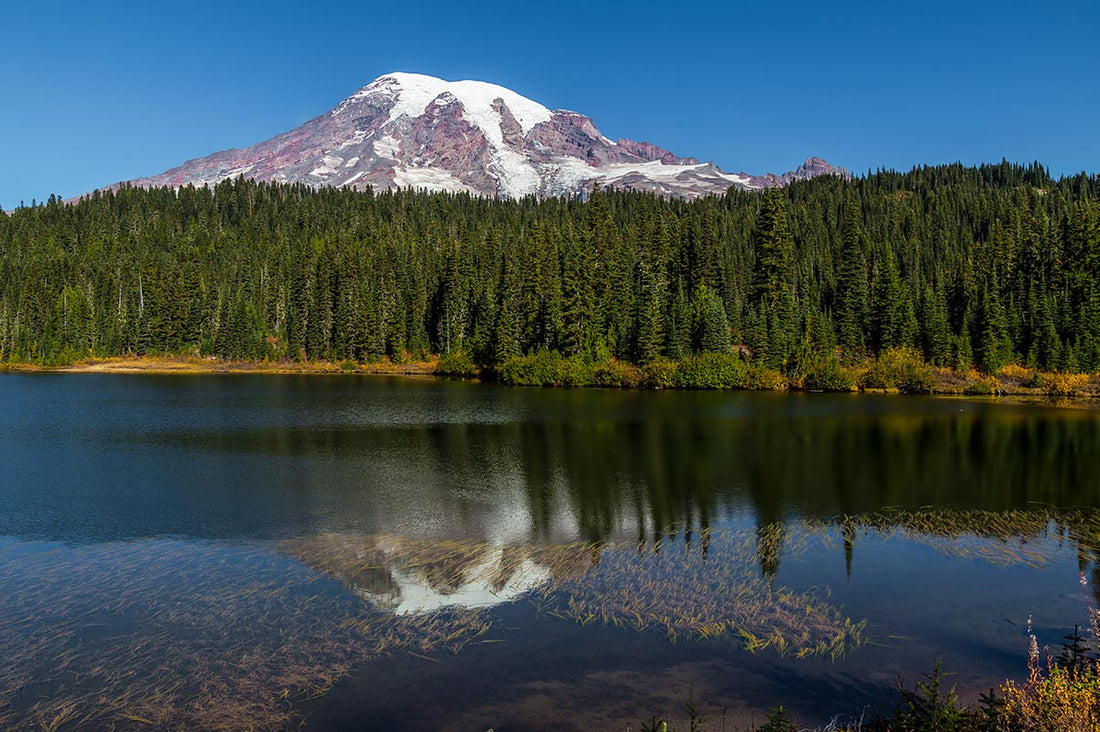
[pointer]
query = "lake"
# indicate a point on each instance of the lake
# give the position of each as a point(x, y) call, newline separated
point(223, 550)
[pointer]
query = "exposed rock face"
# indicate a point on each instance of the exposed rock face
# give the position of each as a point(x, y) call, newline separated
point(812, 168)
point(409, 130)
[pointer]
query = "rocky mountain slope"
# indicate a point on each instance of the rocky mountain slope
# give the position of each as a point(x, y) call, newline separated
point(410, 130)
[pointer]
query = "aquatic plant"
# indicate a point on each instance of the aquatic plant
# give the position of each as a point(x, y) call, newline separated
point(163, 634)
point(712, 591)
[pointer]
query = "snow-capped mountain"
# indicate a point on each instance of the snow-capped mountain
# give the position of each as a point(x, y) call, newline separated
point(410, 130)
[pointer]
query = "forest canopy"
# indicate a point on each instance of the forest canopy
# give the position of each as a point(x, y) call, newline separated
point(973, 267)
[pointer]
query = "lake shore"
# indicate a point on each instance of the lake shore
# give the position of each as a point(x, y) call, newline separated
point(1014, 382)
point(209, 365)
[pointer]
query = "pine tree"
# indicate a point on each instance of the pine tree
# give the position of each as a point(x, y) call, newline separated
point(772, 295)
point(506, 335)
point(710, 328)
point(851, 288)
point(994, 348)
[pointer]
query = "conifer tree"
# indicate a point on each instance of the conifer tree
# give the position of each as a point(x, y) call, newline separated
point(710, 328)
point(851, 288)
point(772, 297)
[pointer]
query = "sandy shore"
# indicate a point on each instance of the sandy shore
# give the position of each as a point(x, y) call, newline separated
point(196, 365)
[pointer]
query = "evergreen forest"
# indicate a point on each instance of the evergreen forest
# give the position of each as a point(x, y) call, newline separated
point(972, 267)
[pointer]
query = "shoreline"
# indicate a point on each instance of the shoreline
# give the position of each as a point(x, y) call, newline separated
point(191, 365)
point(947, 382)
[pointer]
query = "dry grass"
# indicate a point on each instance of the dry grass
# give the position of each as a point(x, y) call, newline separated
point(201, 365)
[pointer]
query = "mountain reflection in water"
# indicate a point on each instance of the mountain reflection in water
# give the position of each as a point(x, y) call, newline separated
point(187, 550)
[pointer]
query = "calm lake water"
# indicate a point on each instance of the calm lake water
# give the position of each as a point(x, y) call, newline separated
point(406, 554)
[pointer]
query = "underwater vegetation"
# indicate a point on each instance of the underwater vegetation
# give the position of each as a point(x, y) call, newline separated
point(161, 634)
point(183, 635)
point(711, 588)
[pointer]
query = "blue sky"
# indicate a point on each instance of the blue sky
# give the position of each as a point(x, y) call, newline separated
point(94, 93)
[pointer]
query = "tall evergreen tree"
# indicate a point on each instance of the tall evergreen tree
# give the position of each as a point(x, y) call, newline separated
point(850, 312)
point(772, 296)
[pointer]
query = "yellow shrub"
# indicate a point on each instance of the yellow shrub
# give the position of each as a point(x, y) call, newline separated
point(1055, 701)
point(1062, 384)
point(1015, 371)
point(981, 385)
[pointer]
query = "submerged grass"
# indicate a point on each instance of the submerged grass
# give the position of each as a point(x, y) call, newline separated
point(710, 589)
point(154, 633)
point(179, 635)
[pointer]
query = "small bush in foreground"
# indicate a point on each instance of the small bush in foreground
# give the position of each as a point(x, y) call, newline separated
point(763, 379)
point(1060, 694)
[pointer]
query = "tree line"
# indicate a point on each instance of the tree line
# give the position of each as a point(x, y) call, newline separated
point(972, 266)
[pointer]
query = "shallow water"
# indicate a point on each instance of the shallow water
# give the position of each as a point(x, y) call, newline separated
point(217, 550)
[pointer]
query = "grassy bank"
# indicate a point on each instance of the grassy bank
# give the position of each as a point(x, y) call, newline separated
point(897, 370)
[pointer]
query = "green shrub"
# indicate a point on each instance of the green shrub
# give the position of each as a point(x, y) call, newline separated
point(877, 377)
point(930, 706)
point(545, 368)
point(982, 385)
point(779, 720)
point(574, 371)
point(616, 373)
point(711, 371)
point(659, 374)
point(541, 369)
point(901, 368)
point(456, 364)
point(67, 356)
point(825, 374)
point(763, 379)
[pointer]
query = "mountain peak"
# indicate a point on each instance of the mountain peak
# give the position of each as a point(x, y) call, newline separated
point(412, 93)
point(413, 130)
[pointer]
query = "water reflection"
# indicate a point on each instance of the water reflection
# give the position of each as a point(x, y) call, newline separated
point(317, 524)
point(401, 576)
point(271, 457)
point(708, 589)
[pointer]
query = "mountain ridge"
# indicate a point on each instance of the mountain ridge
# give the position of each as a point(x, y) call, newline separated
point(407, 130)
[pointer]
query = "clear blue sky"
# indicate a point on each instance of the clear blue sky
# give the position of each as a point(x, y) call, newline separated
point(96, 92)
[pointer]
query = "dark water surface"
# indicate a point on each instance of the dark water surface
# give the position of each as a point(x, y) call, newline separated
point(225, 551)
